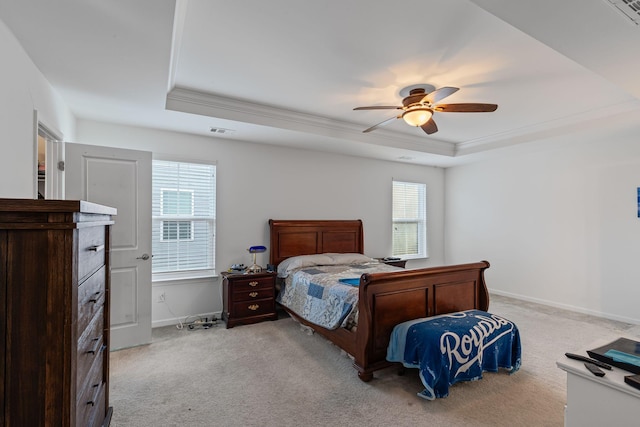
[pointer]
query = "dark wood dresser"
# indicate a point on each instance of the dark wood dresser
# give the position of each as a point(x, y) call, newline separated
point(248, 298)
point(54, 302)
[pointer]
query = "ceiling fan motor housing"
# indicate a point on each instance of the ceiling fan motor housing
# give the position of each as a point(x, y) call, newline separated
point(415, 96)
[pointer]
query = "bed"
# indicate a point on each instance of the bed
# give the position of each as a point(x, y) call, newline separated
point(385, 299)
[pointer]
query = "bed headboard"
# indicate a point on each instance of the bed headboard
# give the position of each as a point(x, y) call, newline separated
point(307, 237)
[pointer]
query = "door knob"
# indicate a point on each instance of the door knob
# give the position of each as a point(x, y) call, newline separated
point(144, 257)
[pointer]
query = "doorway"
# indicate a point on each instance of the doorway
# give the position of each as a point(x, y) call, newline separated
point(48, 162)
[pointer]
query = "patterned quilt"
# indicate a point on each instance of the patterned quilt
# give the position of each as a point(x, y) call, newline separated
point(455, 347)
point(327, 295)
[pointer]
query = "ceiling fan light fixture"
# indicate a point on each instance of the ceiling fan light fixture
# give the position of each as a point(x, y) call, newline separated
point(417, 116)
point(419, 106)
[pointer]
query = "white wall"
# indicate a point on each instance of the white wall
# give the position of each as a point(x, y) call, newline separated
point(257, 182)
point(556, 219)
point(24, 89)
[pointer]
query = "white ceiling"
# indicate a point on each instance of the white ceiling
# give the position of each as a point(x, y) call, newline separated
point(290, 72)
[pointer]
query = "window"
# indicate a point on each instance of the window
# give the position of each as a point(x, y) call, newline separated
point(183, 223)
point(409, 220)
point(176, 203)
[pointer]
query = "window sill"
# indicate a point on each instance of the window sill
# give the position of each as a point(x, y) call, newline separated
point(182, 276)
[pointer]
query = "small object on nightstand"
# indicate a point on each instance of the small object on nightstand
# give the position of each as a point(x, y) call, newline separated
point(395, 261)
point(237, 268)
point(255, 268)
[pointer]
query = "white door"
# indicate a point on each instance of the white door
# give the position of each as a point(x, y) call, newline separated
point(122, 179)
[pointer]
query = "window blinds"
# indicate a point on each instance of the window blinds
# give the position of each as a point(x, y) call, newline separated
point(183, 219)
point(409, 219)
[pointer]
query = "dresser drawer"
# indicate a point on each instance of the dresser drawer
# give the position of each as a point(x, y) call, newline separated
point(97, 415)
point(90, 405)
point(91, 250)
point(253, 294)
point(90, 347)
point(254, 308)
point(91, 298)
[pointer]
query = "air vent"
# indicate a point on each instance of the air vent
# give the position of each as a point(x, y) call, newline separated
point(220, 130)
point(629, 8)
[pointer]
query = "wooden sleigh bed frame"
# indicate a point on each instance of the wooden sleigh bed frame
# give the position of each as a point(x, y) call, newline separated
point(385, 299)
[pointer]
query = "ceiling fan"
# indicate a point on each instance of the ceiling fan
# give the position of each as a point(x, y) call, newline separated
point(420, 105)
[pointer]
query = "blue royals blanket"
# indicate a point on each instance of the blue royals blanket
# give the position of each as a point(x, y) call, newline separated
point(455, 347)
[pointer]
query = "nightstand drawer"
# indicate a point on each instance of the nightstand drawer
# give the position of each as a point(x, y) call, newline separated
point(251, 283)
point(254, 308)
point(253, 294)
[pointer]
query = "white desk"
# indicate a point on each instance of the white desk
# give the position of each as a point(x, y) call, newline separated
point(598, 401)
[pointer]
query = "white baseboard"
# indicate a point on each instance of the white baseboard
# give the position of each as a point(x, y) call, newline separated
point(566, 307)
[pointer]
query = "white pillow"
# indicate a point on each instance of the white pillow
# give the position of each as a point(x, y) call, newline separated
point(289, 264)
point(349, 258)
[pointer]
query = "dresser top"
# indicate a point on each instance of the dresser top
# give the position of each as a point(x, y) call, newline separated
point(33, 205)
point(613, 378)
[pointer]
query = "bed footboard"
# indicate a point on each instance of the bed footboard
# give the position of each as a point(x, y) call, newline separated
point(387, 299)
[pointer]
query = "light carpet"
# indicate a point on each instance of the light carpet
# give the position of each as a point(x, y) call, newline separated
point(276, 374)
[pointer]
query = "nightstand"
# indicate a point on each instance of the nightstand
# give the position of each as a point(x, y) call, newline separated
point(395, 262)
point(248, 298)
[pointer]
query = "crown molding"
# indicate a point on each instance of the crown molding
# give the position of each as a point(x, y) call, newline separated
point(538, 131)
point(207, 104)
point(179, 18)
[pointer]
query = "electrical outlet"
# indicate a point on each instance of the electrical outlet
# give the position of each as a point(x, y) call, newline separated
point(162, 297)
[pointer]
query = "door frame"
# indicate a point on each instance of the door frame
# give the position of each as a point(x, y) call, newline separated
point(54, 154)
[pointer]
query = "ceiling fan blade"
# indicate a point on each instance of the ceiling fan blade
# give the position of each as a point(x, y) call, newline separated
point(379, 107)
point(386, 122)
point(430, 127)
point(439, 94)
point(466, 108)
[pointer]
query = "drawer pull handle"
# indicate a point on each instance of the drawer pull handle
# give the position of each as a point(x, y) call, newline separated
point(96, 248)
point(94, 299)
point(92, 401)
point(253, 284)
point(253, 294)
point(95, 349)
point(254, 307)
